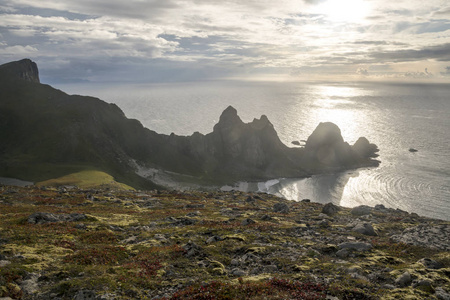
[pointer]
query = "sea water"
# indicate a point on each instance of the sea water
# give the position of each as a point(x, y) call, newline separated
point(396, 117)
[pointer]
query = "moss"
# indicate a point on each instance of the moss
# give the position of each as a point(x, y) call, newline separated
point(237, 237)
point(70, 256)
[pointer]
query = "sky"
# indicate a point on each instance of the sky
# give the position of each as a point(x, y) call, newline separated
point(197, 40)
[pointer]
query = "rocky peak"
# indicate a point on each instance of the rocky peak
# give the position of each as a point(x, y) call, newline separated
point(24, 69)
point(260, 123)
point(326, 133)
point(228, 119)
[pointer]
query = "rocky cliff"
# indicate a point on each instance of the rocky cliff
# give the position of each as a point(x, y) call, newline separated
point(24, 69)
point(45, 132)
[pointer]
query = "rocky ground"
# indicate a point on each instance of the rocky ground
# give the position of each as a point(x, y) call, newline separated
point(68, 243)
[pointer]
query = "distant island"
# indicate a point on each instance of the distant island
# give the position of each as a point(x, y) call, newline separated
point(46, 134)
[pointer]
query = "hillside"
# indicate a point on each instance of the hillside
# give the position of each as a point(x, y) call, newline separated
point(70, 243)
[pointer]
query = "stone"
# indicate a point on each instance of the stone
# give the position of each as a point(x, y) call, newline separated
point(270, 268)
point(195, 206)
point(281, 207)
point(388, 286)
point(424, 285)
point(130, 240)
point(250, 200)
point(81, 226)
point(247, 221)
point(361, 210)
point(30, 286)
point(403, 280)
point(358, 246)
point(365, 228)
point(43, 218)
point(266, 218)
point(4, 263)
point(343, 253)
point(213, 239)
point(430, 264)
point(85, 295)
point(380, 207)
point(160, 237)
point(441, 294)
point(193, 214)
point(193, 250)
point(238, 272)
point(184, 221)
point(424, 235)
point(330, 209)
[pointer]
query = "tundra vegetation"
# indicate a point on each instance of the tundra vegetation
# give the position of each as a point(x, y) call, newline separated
point(111, 243)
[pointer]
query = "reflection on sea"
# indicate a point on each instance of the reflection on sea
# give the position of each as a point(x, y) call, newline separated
point(322, 188)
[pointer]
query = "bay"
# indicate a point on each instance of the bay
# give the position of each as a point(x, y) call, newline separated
point(394, 116)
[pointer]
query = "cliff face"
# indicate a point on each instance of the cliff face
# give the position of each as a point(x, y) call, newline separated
point(45, 132)
point(24, 69)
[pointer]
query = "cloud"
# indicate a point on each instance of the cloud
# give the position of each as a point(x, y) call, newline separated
point(362, 71)
point(419, 74)
point(17, 50)
point(442, 13)
point(437, 52)
point(172, 38)
point(446, 72)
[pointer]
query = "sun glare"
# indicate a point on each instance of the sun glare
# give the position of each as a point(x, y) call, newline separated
point(344, 10)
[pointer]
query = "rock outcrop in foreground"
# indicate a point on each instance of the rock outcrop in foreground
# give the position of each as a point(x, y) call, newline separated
point(69, 243)
point(45, 133)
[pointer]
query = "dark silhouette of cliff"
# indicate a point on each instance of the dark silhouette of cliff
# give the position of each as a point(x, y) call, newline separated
point(45, 133)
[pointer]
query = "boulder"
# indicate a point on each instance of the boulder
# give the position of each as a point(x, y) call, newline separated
point(358, 246)
point(430, 263)
point(361, 210)
point(30, 284)
point(281, 207)
point(403, 280)
point(365, 228)
point(330, 209)
point(247, 221)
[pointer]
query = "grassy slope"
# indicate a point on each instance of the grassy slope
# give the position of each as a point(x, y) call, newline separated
point(86, 179)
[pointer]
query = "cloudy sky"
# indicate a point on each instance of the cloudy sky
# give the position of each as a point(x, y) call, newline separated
point(184, 40)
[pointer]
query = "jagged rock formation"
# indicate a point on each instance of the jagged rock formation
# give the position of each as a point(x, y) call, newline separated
point(45, 133)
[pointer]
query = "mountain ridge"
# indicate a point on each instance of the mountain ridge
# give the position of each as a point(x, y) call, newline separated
point(42, 126)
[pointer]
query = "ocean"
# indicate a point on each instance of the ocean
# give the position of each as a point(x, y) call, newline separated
point(396, 117)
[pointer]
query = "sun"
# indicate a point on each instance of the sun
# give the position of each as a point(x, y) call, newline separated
point(348, 11)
